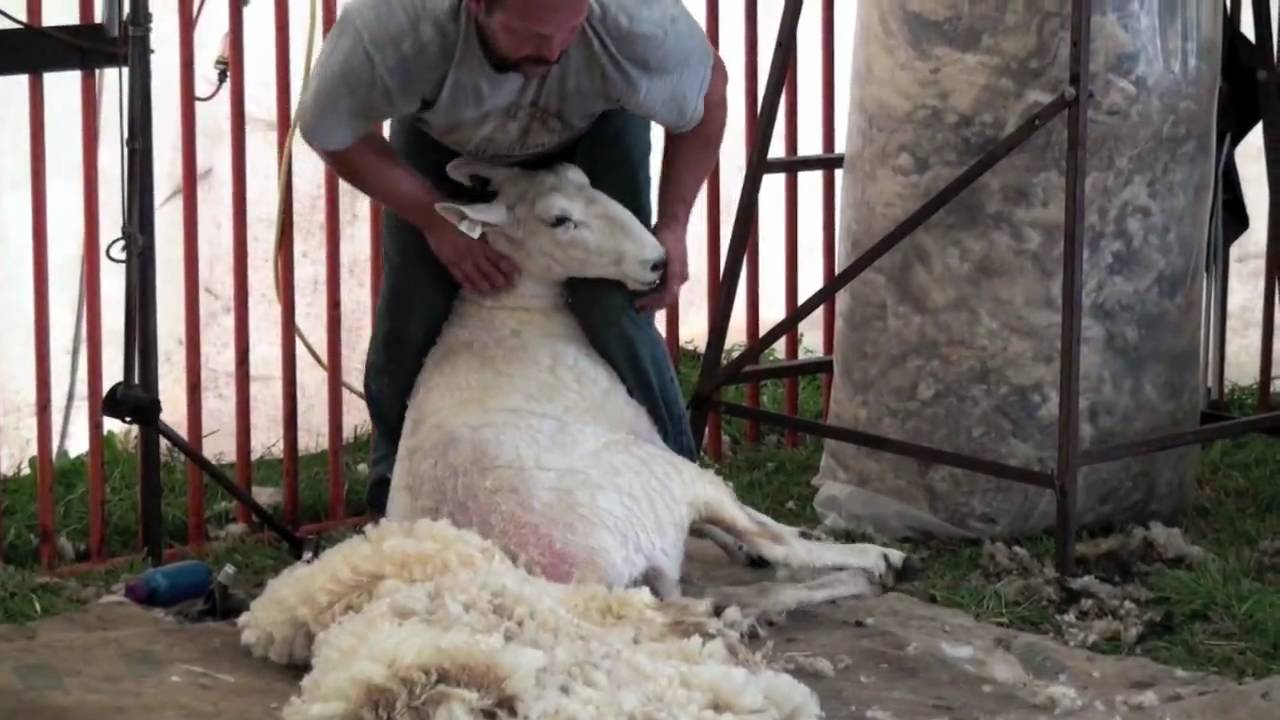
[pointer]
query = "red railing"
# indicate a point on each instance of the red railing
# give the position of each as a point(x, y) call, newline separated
point(242, 201)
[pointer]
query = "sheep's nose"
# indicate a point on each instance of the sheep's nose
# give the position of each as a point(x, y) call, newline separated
point(659, 265)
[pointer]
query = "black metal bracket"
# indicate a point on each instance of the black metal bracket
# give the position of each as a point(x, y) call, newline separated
point(60, 48)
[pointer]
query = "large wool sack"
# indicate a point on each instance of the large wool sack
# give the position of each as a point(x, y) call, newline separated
point(953, 338)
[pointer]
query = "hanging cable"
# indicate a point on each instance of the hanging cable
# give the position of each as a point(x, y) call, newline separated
point(223, 65)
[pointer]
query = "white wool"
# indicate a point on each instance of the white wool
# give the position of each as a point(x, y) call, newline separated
point(454, 625)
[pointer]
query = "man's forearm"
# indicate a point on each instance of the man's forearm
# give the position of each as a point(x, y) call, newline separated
point(689, 158)
point(374, 167)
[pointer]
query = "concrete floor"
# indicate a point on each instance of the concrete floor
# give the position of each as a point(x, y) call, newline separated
point(894, 657)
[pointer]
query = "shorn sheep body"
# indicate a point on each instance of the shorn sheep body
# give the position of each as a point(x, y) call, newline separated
point(530, 560)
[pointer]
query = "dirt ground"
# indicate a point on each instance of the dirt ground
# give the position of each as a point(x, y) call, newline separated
point(884, 659)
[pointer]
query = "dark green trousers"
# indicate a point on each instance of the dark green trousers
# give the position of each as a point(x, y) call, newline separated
point(418, 292)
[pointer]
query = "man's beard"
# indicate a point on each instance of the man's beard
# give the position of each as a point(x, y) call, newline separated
point(524, 65)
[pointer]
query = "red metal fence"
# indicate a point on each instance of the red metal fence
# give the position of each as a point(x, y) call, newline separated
point(189, 14)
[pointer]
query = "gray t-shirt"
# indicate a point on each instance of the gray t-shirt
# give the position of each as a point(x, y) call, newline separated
point(386, 59)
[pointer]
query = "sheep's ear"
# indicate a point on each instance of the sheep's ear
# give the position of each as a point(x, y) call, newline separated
point(473, 218)
point(478, 174)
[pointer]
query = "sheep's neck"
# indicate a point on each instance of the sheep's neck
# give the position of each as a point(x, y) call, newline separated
point(525, 294)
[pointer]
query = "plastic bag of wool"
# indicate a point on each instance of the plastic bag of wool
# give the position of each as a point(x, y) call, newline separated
point(426, 620)
point(952, 338)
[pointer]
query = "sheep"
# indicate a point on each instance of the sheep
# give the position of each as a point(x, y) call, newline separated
point(536, 519)
point(518, 429)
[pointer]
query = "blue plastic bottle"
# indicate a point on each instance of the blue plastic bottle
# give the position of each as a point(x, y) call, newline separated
point(170, 584)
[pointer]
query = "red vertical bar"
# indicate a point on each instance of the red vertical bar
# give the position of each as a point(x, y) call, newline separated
point(93, 304)
point(375, 263)
point(752, 72)
point(285, 280)
point(792, 240)
point(672, 332)
point(714, 437)
point(375, 254)
point(240, 253)
point(828, 187)
point(191, 268)
point(40, 265)
point(333, 318)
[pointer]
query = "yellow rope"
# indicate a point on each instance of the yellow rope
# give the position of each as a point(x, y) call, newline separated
point(286, 161)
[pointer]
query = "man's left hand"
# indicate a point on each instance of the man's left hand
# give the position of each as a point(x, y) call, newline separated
point(677, 273)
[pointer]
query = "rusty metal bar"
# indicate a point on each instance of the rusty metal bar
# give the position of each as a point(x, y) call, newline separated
point(240, 256)
point(828, 188)
point(1219, 427)
point(191, 267)
point(1068, 467)
point(333, 316)
point(744, 219)
point(375, 253)
point(715, 432)
point(791, 263)
point(97, 498)
point(243, 496)
point(715, 377)
point(40, 284)
point(285, 281)
point(784, 369)
point(803, 163)
point(1267, 88)
point(751, 44)
point(891, 445)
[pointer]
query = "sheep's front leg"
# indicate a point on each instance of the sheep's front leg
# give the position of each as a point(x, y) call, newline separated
point(768, 598)
point(787, 546)
point(885, 565)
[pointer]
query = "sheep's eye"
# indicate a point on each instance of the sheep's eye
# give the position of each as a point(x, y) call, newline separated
point(560, 221)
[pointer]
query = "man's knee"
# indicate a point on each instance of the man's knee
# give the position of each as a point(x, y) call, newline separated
point(602, 304)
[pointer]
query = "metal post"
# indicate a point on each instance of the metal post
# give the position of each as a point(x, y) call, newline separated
point(1271, 151)
point(143, 260)
point(1072, 289)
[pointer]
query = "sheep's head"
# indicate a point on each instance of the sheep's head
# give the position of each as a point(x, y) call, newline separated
point(556, 226)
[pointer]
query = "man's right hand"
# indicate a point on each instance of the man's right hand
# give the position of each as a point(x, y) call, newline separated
point(476, 266)
point(374, 167)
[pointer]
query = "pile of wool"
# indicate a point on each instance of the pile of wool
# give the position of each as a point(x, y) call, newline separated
point(423, 619)
point(1107, 603)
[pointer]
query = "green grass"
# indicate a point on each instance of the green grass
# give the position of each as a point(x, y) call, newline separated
point(1222, 616)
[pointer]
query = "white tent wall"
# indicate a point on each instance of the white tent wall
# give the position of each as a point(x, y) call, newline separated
point(65, 223)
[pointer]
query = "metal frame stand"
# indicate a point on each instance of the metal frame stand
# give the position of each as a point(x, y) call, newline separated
point(136, 398)
point(716, 374)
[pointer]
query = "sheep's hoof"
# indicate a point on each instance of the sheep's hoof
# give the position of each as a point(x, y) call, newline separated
point(909, 571)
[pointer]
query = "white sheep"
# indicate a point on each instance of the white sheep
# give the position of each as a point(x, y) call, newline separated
point(531, 495)
point(519, 430)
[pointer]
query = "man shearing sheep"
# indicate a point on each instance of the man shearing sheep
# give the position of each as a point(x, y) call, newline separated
point(526, 82)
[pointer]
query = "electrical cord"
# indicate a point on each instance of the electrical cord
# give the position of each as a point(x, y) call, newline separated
point(286, 161)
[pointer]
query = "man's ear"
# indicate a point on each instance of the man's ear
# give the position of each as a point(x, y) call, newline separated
point(473, 218)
